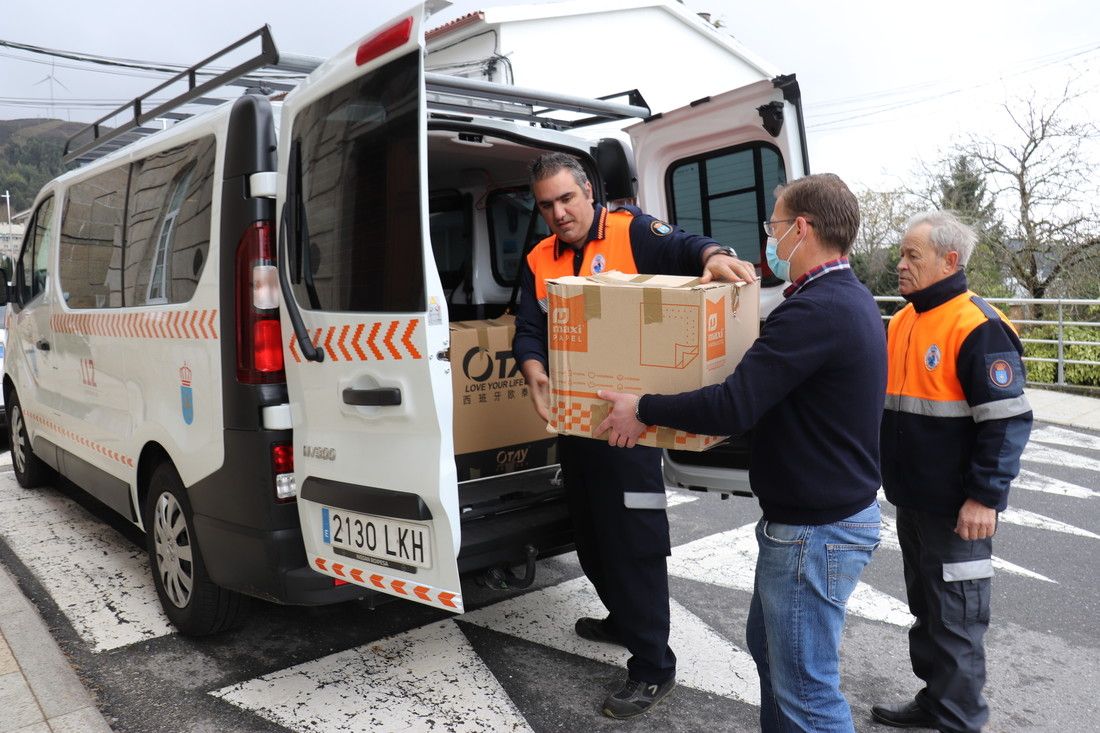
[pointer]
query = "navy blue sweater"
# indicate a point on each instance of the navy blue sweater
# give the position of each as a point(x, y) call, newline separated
point(813, 387)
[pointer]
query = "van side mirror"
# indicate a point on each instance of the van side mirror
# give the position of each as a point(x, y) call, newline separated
point(4, 297)
point(616, 165)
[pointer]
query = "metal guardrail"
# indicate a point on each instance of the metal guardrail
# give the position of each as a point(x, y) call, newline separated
point(1029, 315)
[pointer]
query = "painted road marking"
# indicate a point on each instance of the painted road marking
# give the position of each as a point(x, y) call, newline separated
point(1032, 481)
point(429, 678)
point(729, 559)
point(546, 617)
point(1063, 436)
point(1039, 453)
point(1038, 521)
point(99, 580)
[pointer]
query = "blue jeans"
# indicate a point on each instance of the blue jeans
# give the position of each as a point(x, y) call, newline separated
point(804, 575)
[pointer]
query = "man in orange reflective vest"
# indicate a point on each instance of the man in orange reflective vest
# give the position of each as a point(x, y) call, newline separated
point(616, 498)
point(955, 424)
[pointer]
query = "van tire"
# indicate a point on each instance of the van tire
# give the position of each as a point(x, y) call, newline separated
point(30, 470)
point(192, 602)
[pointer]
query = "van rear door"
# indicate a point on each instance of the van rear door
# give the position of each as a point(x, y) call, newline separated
point(712, 167)
point(365, 326)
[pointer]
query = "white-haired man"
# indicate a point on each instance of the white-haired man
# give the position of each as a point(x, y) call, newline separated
point(954, 427)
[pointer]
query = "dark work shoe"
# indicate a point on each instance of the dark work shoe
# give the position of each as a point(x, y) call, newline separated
point(635, 698)
point(594, 629)
point(906, 715)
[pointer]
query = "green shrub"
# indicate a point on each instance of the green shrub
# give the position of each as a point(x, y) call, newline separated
point(1046, 372)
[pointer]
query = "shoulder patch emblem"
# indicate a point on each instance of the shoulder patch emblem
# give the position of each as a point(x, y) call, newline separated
point(660, 228)
point(932, 357)
point(1000, 373)
point(598, 264)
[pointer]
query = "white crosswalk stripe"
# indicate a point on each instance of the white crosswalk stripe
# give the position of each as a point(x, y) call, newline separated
point(429, 678)
point(1038, 521)
point(99, 580)
point(1031, 481)
point(729, 559)
point(1039, 453)
point(1064, 436)
point(546, 617)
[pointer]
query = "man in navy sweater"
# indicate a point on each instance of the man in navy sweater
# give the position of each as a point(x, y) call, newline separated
point(812, 387)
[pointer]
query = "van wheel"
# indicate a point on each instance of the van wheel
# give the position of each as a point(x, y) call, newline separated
point(30, 470)
point(192, 602)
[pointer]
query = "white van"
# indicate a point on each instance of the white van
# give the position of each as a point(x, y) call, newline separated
point(238, 338)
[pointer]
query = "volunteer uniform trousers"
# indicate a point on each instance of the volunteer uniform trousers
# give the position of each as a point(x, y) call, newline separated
point(947, 580)
point(617, 502)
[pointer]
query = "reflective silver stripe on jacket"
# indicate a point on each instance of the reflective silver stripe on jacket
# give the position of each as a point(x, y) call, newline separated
point(544, 303)
point(1001, 409)
point(644, 500)
point(928, 408)
point(969, 570)
point(996, 410)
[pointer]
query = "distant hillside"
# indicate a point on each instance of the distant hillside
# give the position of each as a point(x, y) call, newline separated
point(30, 155)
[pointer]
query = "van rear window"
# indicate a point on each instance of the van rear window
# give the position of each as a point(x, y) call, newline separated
point(728, 194)
point(361, 247)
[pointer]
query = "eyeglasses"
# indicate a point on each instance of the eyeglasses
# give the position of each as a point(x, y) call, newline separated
point(770, 230)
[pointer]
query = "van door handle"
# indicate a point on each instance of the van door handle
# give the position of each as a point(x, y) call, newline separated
point(43, 345)
point(378, 397)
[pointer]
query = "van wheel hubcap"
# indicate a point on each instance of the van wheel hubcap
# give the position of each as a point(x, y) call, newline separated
point(172, 541)
point(18, 444)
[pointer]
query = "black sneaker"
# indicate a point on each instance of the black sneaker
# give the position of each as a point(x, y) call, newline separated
point(635, 698)
point(594, 629)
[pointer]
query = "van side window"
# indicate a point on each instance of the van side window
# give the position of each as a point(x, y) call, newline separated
point(168, 223)
point(449, 222)
point(728, 194)
point(512, 217)
point(35, 258)
point(92, 223)
point(360, 246)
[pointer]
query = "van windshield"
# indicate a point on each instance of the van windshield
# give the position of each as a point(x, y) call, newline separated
point(361, 239)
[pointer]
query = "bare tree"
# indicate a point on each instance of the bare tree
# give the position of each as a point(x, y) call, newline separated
point(1047, 191)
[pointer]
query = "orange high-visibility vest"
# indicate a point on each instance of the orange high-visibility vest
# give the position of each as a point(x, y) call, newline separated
point(609, 250)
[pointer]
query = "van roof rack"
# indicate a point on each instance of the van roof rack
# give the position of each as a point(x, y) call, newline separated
point(103, 140)
point(445, 94)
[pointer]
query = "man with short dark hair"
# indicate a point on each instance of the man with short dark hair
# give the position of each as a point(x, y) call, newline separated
point(616, 499)
point(955, 426)
point(812, 388)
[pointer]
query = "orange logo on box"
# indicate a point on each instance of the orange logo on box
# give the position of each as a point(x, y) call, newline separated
point(568, 330)
point(716, 329)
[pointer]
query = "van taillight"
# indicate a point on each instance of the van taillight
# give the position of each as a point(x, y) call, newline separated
point(259, 351)
point(282, 467)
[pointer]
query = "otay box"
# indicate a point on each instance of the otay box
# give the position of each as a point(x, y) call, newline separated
point(643, 334)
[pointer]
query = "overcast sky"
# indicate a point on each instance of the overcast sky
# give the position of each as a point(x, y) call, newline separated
point(884, 83)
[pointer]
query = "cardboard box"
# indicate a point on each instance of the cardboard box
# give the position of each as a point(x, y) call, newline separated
point(496, 428)
point(643, 334)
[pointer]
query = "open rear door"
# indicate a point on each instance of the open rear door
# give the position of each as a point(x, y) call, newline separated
point(363, 323)
point(712, 167)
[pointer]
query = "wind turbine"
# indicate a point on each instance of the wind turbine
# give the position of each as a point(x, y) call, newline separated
point(52, 79)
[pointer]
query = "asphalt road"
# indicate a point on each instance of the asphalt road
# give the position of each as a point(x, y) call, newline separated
point(512, 662)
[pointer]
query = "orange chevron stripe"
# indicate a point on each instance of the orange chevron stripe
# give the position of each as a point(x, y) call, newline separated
point(370, 341)
point(407, 338)
point(388, 340)
point(340, 341)
point(355, 342)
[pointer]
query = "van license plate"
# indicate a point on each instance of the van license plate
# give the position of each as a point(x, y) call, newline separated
point(391, 541)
